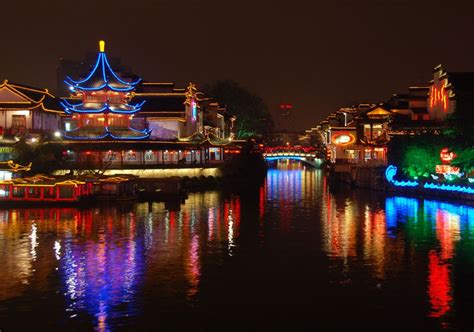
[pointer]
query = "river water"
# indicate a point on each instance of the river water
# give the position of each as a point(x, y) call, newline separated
point(295, 252)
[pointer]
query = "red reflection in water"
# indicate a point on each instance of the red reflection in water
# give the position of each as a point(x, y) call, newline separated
point(439, 281)
point(439, 288)
point(262, 198)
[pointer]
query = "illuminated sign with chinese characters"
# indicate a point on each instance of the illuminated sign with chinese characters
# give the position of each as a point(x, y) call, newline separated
point(447, 169)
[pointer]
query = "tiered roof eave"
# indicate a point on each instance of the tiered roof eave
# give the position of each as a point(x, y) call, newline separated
point(99, 108)
point(109, 133)
point(101, 77)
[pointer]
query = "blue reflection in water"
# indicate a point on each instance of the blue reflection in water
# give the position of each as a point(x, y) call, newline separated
point(399, 209)
point(284, 185)
point(463, 212)
point(443, 223)
point(102, 273)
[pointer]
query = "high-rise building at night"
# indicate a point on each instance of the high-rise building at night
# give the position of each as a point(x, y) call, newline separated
point(285, 116)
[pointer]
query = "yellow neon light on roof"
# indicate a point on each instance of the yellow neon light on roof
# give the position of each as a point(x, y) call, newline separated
point(102, 46)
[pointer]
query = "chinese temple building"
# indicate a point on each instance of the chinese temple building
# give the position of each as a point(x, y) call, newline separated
point(168, 112)
point(27, 111)
point(112, 122)
point(104, 110)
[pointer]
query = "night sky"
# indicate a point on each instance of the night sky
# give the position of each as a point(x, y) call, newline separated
point(316, 55)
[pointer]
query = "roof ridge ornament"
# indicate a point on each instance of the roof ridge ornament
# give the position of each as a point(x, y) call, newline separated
point(190, 93)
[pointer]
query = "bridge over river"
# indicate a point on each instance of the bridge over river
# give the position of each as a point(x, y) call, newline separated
point(307, 156)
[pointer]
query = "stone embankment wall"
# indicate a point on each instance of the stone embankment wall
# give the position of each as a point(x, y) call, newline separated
point(373, 178)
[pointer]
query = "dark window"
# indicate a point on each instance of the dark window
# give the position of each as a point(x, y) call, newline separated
point(49, 192)
point(18, 121)
point(18, 192)
point(66, 191)
point(34, 192)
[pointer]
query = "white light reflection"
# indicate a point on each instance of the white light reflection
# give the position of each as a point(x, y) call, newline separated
point(230, 232)
point(167, 225)
point(34, 240)
point(57, 250)
point(210, 223)
point(149, 231)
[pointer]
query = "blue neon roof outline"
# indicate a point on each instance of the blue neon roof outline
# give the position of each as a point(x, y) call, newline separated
point(103, 62)
point(72, 108)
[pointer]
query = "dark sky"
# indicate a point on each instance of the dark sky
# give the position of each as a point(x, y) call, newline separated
point(318, 55)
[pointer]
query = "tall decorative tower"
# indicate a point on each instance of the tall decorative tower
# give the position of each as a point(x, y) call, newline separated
point(104, 112)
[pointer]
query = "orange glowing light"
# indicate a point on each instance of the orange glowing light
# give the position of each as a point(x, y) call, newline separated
point(343, 138)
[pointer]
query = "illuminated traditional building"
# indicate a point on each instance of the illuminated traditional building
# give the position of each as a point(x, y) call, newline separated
point(104, 111)
point(449, 91)
point(168, 112)
point(357, 134)
point(25, 110)
point(115, 123)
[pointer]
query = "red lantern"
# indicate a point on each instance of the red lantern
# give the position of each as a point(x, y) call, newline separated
point(446, 156)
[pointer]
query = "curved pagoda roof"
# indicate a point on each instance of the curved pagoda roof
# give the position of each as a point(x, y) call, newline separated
point(101, 77)
point(115, 133)
point(102, 107)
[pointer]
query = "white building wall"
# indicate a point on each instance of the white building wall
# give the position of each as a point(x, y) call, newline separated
point(9, 117)
point(164, 129)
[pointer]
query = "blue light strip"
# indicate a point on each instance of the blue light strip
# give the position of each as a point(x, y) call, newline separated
point(135, 138)
point(101, 60)
point(116, 77)
point(285, 157)
point(102, 87)
point(145, 134)
point(194, 109)
point(72, 82)
point(70, 108)
point(449, 187)
point(391, 171)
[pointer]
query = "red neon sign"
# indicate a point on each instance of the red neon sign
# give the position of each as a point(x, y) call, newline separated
point(439, 96)
point(447, 156)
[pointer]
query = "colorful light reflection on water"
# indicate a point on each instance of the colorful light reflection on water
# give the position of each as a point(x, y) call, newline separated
point(295, 247)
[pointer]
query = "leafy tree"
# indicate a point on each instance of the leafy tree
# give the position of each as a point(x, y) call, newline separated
point(45, 158)
point(420, 160)
point(464, 159)
point(417, 156)
point(253, 118)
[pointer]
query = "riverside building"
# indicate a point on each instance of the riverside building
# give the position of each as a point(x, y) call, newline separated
point(112, 122)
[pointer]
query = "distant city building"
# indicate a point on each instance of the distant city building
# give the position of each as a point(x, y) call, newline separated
point(283, 138)
point(285, 116)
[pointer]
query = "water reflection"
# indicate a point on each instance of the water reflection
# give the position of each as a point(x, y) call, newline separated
point(434, 228)
point(105, 266)
point(105, 255)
